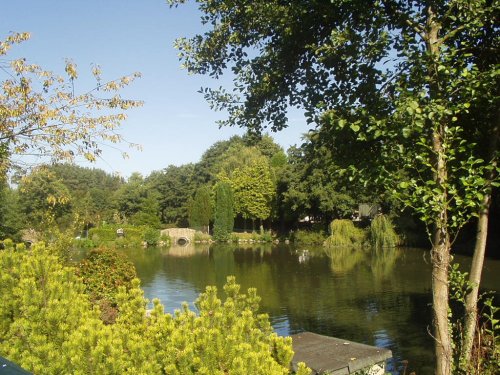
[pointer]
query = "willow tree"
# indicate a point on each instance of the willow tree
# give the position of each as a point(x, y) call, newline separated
point(391, 84)
point(43, 115)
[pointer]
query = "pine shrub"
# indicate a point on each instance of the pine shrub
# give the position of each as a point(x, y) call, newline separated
point(48, 326)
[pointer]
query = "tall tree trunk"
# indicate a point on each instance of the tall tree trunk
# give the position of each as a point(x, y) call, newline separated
point(478, 257)
point(441, 246)
point(440, 269)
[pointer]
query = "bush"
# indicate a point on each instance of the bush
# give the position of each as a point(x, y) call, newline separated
point(265, 236)
point(151, 236)
point(165, 239)
point(202, 237)
point(84, 243)
point(132, 235)
point(103, 272)
point(305, 237)
point(62, 333)
point(382, 233)
point(344, 233)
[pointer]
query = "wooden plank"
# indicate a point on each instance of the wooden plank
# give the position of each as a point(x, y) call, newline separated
point(325, 354)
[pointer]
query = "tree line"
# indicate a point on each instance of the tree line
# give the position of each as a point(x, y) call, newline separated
point(245, 181)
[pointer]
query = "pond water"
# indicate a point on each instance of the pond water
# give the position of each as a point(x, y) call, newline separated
point(378, 298)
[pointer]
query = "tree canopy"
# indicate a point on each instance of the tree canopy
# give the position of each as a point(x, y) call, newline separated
point(44, 115)
point(395, 88)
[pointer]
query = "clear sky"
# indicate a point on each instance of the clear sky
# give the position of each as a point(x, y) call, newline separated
point(175, 125)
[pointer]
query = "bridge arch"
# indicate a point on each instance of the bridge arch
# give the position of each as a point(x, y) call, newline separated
point(179, 236)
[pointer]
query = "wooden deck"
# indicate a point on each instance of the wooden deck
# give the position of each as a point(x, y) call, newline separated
point(9, 368)
point(330, 355)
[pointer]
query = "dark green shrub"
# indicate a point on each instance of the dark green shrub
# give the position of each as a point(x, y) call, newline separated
point(308, 237)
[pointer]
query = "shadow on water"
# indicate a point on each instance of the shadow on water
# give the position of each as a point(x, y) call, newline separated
point(376, 297)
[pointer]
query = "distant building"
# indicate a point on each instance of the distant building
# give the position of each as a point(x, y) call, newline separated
point(366, 211)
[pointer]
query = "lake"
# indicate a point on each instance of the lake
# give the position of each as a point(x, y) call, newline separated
point(378, 298)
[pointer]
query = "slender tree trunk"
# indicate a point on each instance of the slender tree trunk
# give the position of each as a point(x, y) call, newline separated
point(440, 269)
point(478, 258)
point(441, 247)
point(474, 281)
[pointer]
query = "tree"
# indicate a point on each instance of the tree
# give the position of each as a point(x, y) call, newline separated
point(91, 191)
point(10, 216)
point(137, 203)
point(314, 187)
point(175, 185)
point(41, 113)
point(42, 198)
point(396, 79)
point(207, 169)
point(200, 209)
point(254, 190)
point(224, 211)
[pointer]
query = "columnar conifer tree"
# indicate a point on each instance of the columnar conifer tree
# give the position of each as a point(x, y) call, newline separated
point(224, 211)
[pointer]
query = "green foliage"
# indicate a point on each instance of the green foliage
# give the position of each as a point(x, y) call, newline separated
point(264, 236)
point(200, 210)
point(42, 196)
point(91, 191)
point(405, 95)
point(224, 212)
point(202, 237)
point(132, 236)
point(10, 217)
point(151, 236)
point(47, 326)
point(103, 271)
point(382, 233)
point(305, 237)
point(485, 358)
point(228, 336)
point(174, 185)
point(84, 243)
point(137, 203)
point(344, 233)
point(106, 233)
point(313, 187)
point(254, 190)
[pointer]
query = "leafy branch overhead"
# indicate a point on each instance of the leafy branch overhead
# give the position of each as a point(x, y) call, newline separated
point(404, 94)
point(41, 115)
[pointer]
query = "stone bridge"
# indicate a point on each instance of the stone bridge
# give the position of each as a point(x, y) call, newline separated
point(179, 236)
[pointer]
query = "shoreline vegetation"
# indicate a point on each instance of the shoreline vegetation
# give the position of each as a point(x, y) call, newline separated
point(343, 233)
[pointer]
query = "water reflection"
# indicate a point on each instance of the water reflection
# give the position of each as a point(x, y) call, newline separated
point(374, 297)
point(344, 259)
point(188, 249)
point(382, 262)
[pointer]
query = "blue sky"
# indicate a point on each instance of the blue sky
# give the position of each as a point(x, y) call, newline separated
point(175, 125)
